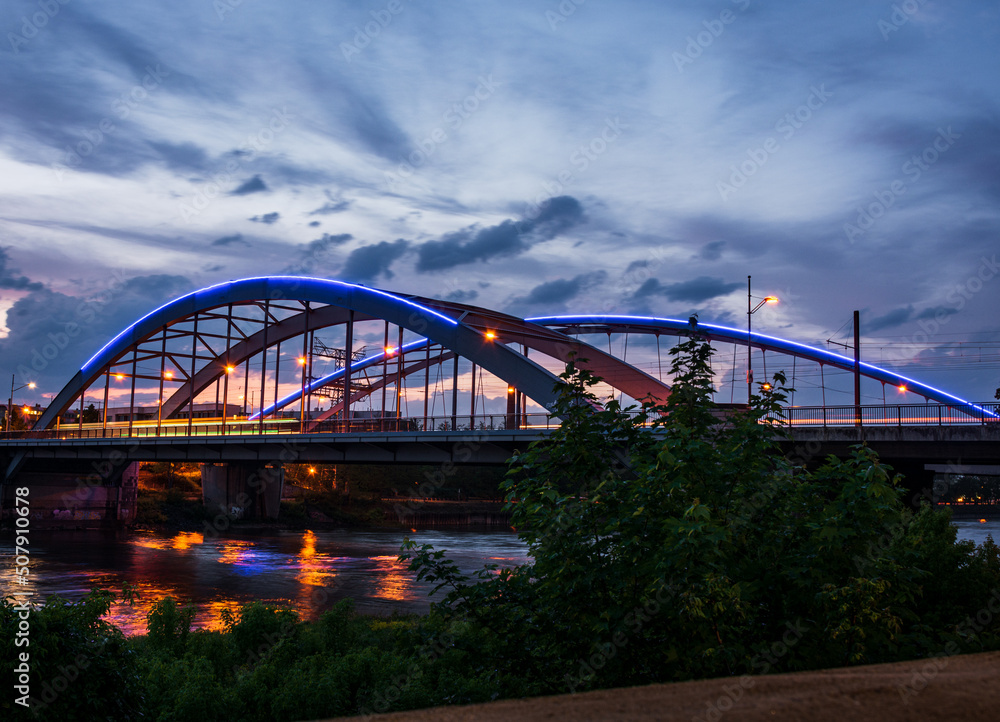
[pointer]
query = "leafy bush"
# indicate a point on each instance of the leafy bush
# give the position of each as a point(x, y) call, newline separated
point(82, 667)
point(669, 545)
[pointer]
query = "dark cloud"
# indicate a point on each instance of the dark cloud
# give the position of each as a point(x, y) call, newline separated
point(557, 292)
point(182, 156)
point(229, 240)
point(52, 334)
point(369, 262)
point(9, 278)
point(334, 205)
point(267, 218)
point(697, 290)
point(711, 251)
point(508, 238)
point(312, 258)
point(462, 296)
point(895, 317)
point(254, 185)
point(636, 265)
point(935, 312)
point(314, 224)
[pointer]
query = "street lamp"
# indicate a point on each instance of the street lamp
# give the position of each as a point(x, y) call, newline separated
point(10, 402)
point(751, 310)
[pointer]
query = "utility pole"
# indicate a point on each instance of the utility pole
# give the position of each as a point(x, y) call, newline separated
point(857, 368)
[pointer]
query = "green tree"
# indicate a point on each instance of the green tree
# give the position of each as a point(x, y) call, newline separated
point(671, 542)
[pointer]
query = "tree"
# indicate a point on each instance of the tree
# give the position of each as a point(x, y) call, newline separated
point(668, 544)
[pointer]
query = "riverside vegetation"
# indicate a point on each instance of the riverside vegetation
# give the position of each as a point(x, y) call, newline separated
point(665, 546)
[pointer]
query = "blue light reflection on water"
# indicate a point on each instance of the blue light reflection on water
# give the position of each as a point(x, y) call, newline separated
point(307, 571)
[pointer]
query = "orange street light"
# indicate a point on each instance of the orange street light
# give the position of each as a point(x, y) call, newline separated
point(168, 374)
point(491, 335)
point(230, 369)
point(302, 360)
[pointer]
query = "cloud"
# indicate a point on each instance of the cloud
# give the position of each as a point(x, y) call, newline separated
point(711, 251)
point(10, 281)
point(314, 224)
point(267, 218)
point(311, 258)
point(369, 262)
point(892, 318)
point(182, 156)
point(52, 334)
point(696, 290)
point(508, 238)
point(254, 185)
point(229, 240)
point(460, 296)
point(561, 290)
point(935, 312)
point(333, 205)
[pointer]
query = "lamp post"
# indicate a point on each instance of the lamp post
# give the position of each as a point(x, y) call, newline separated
point(10, 402)
point(751, 310)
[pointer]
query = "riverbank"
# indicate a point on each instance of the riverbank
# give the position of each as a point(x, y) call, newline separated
point(948, 688)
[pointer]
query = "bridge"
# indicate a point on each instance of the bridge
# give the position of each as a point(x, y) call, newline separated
point(261, 372)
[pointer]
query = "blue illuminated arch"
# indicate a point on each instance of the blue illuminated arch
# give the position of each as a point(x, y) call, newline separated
point(529, 377)
point(673, 326)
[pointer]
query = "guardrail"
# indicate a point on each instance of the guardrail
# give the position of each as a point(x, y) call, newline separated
point(794, 416)
point(245, 428)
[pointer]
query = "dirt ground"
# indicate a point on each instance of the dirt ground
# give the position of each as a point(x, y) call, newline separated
point(964, 687)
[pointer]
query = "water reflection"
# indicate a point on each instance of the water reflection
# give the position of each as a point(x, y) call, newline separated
point(309, 571)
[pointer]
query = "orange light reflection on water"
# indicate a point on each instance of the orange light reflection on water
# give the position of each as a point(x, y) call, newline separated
point(185, 539)
point(313, 570)
point(394, 581)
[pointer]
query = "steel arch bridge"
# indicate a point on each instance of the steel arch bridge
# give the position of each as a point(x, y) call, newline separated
point(240, 336)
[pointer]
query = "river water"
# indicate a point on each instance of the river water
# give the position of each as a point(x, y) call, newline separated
point(309, 571)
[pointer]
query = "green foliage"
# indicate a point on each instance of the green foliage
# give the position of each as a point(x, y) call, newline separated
point(673, 542)
point(82, 667)
point(168, 625)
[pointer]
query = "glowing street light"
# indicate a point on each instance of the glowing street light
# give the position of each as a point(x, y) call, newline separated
point(491, 335)
point(751, 312)
point(10, 403)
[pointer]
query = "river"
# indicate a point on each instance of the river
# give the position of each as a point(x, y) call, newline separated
point(309, 571)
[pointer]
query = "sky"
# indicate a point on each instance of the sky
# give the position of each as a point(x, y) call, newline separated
point(532, 157)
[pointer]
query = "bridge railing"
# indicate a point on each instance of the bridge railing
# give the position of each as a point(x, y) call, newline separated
point(895, 415)
point(244, 427)
point(795, 416)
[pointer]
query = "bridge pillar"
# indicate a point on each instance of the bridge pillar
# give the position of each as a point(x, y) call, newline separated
point(65, 500)
point(243, 490)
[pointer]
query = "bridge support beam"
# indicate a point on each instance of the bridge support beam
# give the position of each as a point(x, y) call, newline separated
point(243, 490)
point(66, 500)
